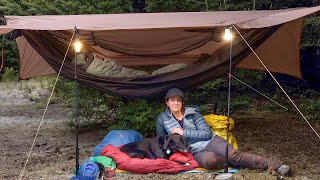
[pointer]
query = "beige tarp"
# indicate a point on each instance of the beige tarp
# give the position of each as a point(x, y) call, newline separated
point(99, 22)
point(280, 53)
point(31, 64)
point(167, 38)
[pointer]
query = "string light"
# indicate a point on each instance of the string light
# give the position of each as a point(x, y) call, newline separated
point(228, 34)
point(77, 45)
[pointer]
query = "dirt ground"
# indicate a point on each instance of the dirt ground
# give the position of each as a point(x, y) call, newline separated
point(277, 135)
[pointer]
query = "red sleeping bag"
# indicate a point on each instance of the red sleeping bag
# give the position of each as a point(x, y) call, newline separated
point(144, 166)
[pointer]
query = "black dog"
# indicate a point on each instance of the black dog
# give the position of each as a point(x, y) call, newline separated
point(158, 147)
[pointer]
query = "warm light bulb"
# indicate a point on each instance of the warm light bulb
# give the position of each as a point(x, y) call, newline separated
point(227, 34)
point(77, 45)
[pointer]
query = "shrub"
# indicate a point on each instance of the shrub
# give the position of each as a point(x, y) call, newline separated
point(93, 107)
point(311, 31)
point(310, 108)
point(10, 74)
point(139, 115)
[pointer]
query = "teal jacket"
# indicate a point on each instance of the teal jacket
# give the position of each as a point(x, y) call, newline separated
point(195, 129)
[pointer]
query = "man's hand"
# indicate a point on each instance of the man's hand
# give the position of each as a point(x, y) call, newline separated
point(177, 131)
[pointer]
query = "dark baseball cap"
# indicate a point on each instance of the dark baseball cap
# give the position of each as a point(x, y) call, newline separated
point(174, 92)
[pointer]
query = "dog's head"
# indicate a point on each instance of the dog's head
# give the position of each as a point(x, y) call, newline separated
point(175, 143)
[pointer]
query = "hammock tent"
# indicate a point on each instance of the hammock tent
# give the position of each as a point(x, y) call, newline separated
point(149, 39)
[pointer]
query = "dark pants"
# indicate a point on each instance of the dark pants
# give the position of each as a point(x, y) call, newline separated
point(213, 157)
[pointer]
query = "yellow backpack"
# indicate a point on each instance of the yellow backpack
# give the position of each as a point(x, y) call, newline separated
point(218, 124)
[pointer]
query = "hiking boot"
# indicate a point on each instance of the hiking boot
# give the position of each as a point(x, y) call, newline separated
point(284, 170)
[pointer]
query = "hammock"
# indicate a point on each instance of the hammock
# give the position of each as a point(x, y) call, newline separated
point(51, 48)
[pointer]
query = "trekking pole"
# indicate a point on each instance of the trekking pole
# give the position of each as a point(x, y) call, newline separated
point(76, 103)
point(229, 97)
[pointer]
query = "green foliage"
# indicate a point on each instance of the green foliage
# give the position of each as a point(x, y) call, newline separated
point(140, 115)
point(311, 32)
point(40, 105)
point(91, 104)
point(241, 103)
point(208, 93)
point(10, 54)
point(94, 104)
point(308, 101)
point(10, 74)
point(309, 93)
point(59, 7)
point(176, 5)
point(310, 108)
point(64, 91)
point(214, 85)
point(12, 7)
point(217, 90)
point(94, 108)
point(257, 79)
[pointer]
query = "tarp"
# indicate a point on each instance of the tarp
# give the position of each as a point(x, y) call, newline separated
point(143, 21)
point(148, 39)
